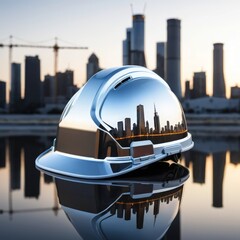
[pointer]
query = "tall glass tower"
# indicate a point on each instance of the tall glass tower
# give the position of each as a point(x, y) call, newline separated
point(32, 83)
point(174, 56)
point(15, 91)
point(218, 74)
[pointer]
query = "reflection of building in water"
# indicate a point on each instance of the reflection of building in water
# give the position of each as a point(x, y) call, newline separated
point(235, 157)
point(13, 150)
point(32, 149)
point(2, 152)
point(199, 166)
point(126, 206)
point(217, 147)
point(219, 160)
point(15, 162)
point(142, 129)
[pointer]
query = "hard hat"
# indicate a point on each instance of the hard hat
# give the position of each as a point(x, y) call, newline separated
point(139, 205)
point(121, 120)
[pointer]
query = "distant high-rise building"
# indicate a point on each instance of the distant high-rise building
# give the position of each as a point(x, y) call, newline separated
point(174, 56)
point(140, 119)
point(199, 84)
point(64, 82)
point(48, 86)
point(15, 91)
point(127, 48)
point(218, 74)
point(33, 91)
point(161, 59)
point(92, 66)
point(137, 40)
point(235, 92)
point(2, 94)
point(187, 94)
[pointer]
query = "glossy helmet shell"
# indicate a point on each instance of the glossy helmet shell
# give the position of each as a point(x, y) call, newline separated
point(120, 120)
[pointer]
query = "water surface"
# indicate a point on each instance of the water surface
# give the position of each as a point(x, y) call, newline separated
point(209, 208)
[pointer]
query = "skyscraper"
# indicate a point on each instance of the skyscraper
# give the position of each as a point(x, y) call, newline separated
point(187, 94)
point(140, 119)
point(65, 81)
point(2, 94)
point(174, 56)
point(137, 40)
point(15, 91)
point(127, 48)
point(156, 121)
point(199, 84)
point(218, 74)
point(92, 66)
point(161, 59)
point(128, 127)
point(32, 83)
point(48, 88)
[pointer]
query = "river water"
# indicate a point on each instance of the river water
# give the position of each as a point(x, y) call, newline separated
point(204, 204)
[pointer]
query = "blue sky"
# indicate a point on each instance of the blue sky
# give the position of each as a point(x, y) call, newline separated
point(101, 26)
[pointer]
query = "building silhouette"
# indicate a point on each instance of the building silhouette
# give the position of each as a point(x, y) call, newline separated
point(15, 162)
point(156, 121)
point(235, 157)
point(48, 89)
point(218, 73)
point(92, 66)
point(33, 98)
point(188, 91)
point(235, 92)
point(137, 40)
point(2, 152)
point(32, 148)
point(140, 120)
point(174, 56)
point(161, 60)
point(2, 94)
point(199, 85)
point(15, 91)
point(219, 162)
point(127, 47)
point(133, 45)
point(128, 209)
point(128, 127)
point(65, 84)
point(199, 166)
point(142, 130)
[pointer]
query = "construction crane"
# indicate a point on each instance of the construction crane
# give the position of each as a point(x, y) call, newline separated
point(55, 48)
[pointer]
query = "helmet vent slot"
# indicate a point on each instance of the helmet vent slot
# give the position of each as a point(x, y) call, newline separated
point(122, 82)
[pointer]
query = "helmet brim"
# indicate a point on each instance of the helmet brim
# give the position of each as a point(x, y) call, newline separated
point(91, 168)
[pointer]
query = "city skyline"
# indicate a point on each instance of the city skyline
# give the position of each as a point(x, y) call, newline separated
point(25, 20)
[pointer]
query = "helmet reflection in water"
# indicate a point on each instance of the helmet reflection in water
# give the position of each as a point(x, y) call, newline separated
point(121, 120)
point(138, 206)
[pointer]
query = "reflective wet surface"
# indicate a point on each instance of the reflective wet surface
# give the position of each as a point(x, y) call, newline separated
point(206, 206)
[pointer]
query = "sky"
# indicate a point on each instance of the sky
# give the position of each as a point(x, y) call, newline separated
point(101, 26)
